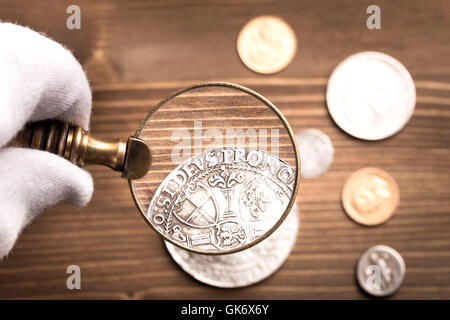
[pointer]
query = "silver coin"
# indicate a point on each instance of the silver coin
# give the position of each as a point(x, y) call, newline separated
point(371, 95)
point(242, 268)
point(380, 271)
point(316, 152)
point(223, 200)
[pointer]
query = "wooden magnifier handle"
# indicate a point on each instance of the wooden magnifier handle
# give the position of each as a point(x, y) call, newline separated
point(131, 157)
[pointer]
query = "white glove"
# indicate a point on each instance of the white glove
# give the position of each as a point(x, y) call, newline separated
point(39, 79)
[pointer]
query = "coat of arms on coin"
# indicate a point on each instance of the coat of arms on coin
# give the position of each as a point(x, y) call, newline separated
point(242, 268)
point(223, 200)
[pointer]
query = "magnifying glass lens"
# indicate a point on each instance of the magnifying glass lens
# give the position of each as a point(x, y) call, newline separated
point(224, 168)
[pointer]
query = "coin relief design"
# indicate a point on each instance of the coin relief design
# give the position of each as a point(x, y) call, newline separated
point(316, 152)
point(266, 44)
point(370, 196)
point(241, 268)
point(380, 271)
point(371, 95)
point(222, 200)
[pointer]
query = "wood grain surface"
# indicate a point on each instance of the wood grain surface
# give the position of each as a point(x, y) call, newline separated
point(138, 52)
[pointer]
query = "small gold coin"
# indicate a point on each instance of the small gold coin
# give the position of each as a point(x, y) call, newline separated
point(370, 196)
point(266, 44)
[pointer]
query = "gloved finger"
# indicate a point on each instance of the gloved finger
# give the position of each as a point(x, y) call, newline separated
point(39, 79)
point(35, 180)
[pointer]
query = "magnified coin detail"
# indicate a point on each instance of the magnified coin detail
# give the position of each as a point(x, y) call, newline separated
point(241, 268)
point(222, 200)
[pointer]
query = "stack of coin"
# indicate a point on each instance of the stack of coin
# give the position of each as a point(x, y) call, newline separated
point(243, 268)
point(217, 218)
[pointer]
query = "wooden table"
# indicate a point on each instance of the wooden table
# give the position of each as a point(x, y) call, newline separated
point(137, 52)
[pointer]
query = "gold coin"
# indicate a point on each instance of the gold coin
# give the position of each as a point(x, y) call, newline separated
point(370, 196)
point(266, 44)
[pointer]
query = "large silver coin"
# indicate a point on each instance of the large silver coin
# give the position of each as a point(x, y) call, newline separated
point(316, 152)
point(371, 96)
point(380, 271)
point(242, 268)
point(223, 200)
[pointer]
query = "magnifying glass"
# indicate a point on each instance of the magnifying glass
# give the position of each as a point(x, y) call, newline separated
point(214, 167)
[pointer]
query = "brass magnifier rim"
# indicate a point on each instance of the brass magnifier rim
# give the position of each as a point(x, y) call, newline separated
point(291, 136)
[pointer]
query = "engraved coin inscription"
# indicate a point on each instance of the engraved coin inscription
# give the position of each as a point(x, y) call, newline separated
point(380, 271)
point(317, 152)
point(371, 95)
point(223, 200)
point(241, 268)
point(370, 196)
point(266, 44)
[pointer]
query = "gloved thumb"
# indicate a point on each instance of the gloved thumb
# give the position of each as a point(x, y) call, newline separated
point(31, 181)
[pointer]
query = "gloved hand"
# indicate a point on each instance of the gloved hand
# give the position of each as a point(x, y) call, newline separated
point(39, 79)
